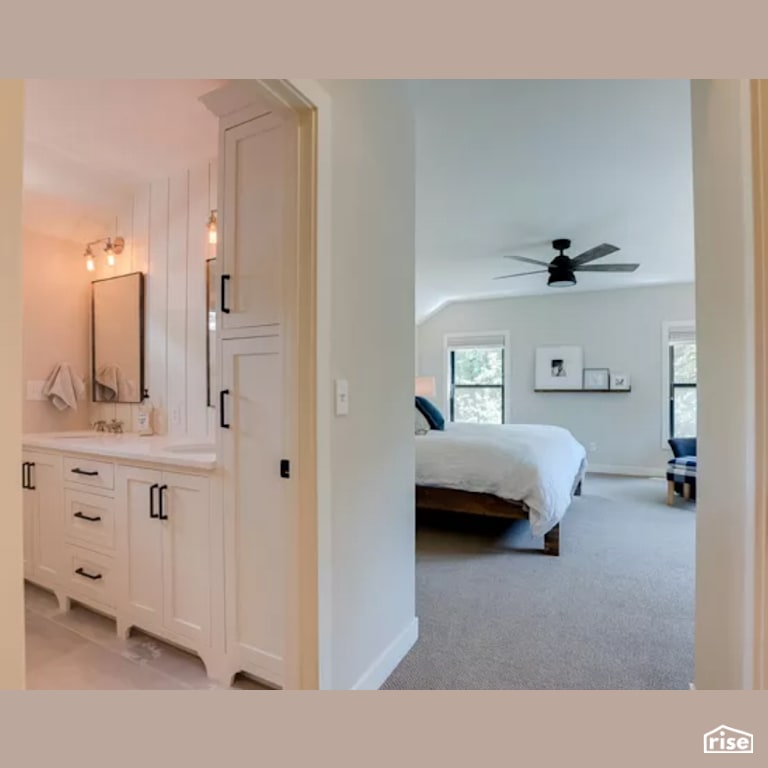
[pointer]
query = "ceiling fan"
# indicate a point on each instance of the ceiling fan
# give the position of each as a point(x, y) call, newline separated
point(561, 269)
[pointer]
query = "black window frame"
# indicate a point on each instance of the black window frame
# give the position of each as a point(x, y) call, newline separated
point(453, 386)
point(673, 386)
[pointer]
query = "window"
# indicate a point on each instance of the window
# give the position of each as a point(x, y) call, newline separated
point(681, 374)
point(476, 380)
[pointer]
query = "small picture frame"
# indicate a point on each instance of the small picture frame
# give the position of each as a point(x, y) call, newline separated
point(597, 379)
point(620, 382)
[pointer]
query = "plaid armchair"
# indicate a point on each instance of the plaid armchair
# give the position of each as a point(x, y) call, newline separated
point(681, 469)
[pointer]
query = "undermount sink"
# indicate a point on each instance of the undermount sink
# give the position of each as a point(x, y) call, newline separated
point(191, 448)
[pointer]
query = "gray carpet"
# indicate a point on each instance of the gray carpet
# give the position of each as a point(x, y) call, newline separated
point(614, 611)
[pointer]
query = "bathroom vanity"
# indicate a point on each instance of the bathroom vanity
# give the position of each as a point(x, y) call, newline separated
point(130, 527)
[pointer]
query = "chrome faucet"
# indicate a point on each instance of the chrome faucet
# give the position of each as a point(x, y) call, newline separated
point(115, 426)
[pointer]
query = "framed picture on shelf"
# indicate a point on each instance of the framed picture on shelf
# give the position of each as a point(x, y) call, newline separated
point(558, 368)
point(620, 381)
point(597, 379)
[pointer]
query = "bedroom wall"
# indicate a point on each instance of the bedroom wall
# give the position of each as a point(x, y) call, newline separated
point(372, 346)
point(618, 329)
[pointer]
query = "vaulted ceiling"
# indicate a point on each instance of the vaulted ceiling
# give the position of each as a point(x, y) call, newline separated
point(506, 166)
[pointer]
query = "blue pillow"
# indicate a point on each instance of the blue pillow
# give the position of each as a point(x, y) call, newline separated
point(431, 413)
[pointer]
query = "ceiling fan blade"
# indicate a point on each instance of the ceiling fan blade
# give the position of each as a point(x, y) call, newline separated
point(530, 261)
point(607, 268)
point(594, 253)
point(521, 274)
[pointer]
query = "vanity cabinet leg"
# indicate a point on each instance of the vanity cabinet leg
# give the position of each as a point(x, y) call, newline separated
point(123, 628)
point(218, 669)
point(65, 604)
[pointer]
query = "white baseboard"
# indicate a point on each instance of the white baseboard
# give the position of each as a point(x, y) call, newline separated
point(375, 676)
point(622, 469)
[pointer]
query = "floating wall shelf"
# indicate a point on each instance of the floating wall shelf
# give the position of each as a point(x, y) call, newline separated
point(594, 391)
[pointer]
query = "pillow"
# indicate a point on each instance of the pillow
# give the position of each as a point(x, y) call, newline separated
point(422, 425)
point(432, 414)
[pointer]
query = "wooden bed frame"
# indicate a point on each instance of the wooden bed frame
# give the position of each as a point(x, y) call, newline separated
point(465, 502)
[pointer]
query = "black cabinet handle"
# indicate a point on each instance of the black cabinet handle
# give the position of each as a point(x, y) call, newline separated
point(222, 421)
point(152, 489)
point(224, 307)
point(24, 483)
point(92, 576)
point(85, 517)
point(162, 514)
point(78, 471)
point(30, 484)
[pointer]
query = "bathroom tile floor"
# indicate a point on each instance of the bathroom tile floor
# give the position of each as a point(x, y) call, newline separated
point(80, 650)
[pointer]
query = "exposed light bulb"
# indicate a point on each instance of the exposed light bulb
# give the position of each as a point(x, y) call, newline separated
point(212, 222)
point(110, 258)
point(90, 264)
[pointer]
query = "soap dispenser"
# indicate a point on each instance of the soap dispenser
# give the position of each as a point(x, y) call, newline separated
point(144, 418)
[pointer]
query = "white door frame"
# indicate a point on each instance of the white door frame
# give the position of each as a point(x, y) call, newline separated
point(759, 104)
point(731, 261)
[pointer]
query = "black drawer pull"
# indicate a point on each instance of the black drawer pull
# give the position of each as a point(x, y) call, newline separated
point(24, 481)
point(85, 517)
point(162, 514)
point(224, 307)
point(30, 485)
point(223, 423)
point(152, 489)
point(93, 577)
point(78, 471)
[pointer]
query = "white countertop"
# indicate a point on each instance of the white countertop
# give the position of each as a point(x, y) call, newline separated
point(157, 449)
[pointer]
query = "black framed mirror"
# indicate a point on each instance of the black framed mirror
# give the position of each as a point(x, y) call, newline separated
point(117, 339)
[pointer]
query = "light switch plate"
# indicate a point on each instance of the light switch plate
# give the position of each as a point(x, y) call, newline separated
point(342, 397)
point(35, 390)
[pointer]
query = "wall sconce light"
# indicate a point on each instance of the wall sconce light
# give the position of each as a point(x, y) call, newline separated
point(111, 249)
point(212, 222)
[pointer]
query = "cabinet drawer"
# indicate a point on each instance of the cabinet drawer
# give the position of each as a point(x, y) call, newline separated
point(90, 575)
point(85, 471)
point(89, 518)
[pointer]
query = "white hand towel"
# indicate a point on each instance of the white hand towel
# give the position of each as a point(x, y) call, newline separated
point(107, 386)
point(64, 387)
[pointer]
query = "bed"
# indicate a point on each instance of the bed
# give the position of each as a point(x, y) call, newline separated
point(519, 471)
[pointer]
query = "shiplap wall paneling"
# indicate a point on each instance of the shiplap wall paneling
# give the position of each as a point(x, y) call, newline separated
point(157, 303)
point(176, 319)
point(201, 193)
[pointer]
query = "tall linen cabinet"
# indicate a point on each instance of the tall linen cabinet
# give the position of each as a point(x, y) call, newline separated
point(255, 266)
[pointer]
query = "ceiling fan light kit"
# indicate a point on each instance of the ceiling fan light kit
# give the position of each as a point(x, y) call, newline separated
point(562, 268)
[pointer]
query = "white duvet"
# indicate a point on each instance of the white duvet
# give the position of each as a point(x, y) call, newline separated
point(537, 464)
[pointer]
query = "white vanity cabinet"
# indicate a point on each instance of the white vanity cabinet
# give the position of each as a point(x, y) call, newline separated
point(165, 559)
point(254, 492)
point(257, 226)
point(41, 483)
point(258, 252)
point(138, 540)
